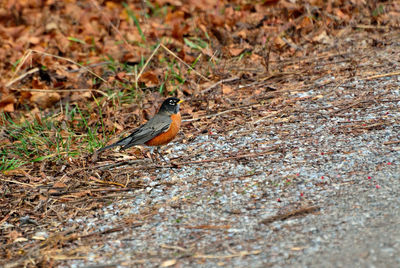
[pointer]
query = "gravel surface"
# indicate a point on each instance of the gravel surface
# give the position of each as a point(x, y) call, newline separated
point(341, 159)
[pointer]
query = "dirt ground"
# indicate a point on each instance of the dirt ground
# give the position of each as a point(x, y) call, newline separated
point(297, 168)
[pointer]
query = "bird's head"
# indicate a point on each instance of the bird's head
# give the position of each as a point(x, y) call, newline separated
point(170, 106)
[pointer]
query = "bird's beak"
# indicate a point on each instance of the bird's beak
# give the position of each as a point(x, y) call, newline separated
point(180, 101)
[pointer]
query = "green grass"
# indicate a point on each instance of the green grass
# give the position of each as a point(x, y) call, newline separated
point(10, 164)
point(174, 76)
point(195, 43)
point(54, 137)
point(77, 40)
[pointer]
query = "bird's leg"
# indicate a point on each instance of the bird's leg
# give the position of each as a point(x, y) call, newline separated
point(159, 154)
point(152, 154)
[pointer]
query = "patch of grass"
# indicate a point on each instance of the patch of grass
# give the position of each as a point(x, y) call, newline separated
point(379, 10)
point(52, 138)
point(174, 76)
point(195, 43)
point(243, 55)
point(156, 10)
point(9, 164)
point(77, 40)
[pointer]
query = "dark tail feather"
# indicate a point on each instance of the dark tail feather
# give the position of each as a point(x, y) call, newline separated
point(122, 142)
point(107, 147)
point(96, 154)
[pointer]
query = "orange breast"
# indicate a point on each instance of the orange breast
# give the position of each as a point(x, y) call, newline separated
point(169, 135)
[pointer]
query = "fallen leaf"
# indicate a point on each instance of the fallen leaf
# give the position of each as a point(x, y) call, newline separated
point(323, 38)
point(45, 99)
point(120, 76)
point(9, 107)
point(279, 42)
point(235, 51)
point(226, 89)
point(149, 78)
point(59, 185)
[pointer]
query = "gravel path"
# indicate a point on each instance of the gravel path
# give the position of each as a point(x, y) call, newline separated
point(341, 158)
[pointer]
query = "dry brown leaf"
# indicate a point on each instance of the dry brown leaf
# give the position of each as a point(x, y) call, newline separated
point(323, 38)
point(44, 99)
point(242, 34)
point(279, 42)
point(77, 96)
point(59, 184)
point(7, 104)
point(149, 78)
point(226, 89)
point(235, 51)
point(120, 76)
point(341, 15)
point(34, 40)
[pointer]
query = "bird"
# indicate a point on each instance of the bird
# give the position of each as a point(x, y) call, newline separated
point(159, 130)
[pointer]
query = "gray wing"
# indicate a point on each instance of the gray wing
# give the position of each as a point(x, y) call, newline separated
point(155, 126)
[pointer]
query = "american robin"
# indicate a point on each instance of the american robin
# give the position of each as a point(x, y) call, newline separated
point(159, 130)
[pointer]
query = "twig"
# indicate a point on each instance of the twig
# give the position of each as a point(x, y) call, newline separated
point(363, 26)
point(373, 125)
point(272, 114)
point(219, 82)
point(310, 59)
point(391, 142)
point(239, 254)
point(106, 182)
point(290, 214)
point(17, 182)
point(147, 62)
point(24, 58)
point(34, 70)
point(208, 227)
point(175, 247)
point(108, 231)
point(113, 189)
point(382, 75)
point(187, 65)
point(110, 166)
point(90, 66)
point(350, 106)
point(49, 55)
point(71, 61)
